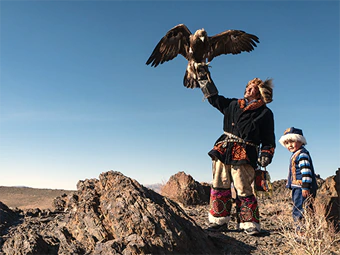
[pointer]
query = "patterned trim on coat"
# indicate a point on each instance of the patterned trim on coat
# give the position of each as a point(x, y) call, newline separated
point(238, 152)
point(293, 168)
point(251, 106)
point(270, 151)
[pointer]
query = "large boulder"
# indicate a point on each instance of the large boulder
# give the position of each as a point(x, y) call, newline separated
point(183, 189)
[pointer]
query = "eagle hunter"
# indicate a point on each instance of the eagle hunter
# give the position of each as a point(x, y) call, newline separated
point(199, 48)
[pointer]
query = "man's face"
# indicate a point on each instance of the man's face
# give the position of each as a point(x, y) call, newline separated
point(252, 92)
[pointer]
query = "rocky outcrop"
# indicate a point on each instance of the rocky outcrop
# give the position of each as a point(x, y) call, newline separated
point(7, 217)
point(183, 189)
point(328, 195)
point(327, 187)
point(337, 181)
point(110, 215)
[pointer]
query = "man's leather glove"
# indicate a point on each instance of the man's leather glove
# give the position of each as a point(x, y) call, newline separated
point(203, 72)
point(264, 160)
point(204, 80)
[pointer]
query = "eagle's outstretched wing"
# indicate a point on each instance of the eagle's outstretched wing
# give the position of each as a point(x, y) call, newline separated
point(176, 41)
point(231, 42)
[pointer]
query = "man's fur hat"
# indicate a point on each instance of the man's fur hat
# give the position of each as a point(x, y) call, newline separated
point(265, 89)
point(293, 134)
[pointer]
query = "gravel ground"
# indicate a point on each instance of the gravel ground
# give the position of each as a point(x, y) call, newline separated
point(232, 241)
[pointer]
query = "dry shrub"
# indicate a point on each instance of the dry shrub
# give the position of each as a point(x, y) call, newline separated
point(314, 235)
point(276, 204)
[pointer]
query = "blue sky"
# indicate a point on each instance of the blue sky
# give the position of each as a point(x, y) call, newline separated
point(77, 99)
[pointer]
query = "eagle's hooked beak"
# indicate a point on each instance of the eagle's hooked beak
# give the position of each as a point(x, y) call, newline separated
point(202, 38)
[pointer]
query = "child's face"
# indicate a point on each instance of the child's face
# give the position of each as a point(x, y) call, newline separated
point(293, 146)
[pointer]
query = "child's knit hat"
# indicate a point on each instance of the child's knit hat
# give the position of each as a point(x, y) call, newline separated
point(293, 134)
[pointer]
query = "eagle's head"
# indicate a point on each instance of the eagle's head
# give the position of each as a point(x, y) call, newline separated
point(201, 34)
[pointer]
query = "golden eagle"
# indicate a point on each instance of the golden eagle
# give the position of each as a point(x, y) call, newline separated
point(199, 48)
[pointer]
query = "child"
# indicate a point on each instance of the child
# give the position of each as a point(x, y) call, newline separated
point(301, 177)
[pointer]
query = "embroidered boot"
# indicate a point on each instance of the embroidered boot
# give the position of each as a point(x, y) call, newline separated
point(247, 209)
point(220, 207)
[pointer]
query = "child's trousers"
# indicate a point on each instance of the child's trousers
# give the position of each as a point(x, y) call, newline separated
point(298, 203)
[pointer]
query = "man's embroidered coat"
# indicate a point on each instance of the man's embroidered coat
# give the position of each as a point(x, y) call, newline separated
point(253, 123)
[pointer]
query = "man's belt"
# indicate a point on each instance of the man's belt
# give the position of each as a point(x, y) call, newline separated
point(231, 138)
